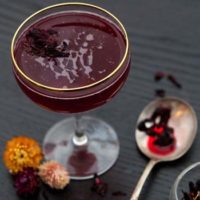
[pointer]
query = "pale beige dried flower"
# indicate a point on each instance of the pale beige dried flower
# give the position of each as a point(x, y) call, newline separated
point(54, 174)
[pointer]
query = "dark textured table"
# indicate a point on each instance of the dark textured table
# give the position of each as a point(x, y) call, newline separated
point(164, 35)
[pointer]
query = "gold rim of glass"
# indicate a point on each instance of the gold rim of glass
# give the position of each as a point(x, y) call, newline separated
point(75, 88)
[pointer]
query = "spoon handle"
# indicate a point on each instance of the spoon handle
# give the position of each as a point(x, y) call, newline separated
point(143, 178)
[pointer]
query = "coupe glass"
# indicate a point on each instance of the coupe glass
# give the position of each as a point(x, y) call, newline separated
point(190, 174)
point(84, 145)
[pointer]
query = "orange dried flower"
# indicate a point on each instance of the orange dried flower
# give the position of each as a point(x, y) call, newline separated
point(21, 152)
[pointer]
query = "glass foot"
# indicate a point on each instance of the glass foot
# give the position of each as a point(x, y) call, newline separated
point(97, 156)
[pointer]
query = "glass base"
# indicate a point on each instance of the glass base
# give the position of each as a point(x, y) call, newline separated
point(95, 157)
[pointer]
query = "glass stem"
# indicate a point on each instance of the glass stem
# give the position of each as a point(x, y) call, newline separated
point(79, 138)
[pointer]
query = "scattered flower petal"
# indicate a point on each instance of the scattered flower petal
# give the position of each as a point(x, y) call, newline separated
point(99, 186)
point(173, 80)
point(160, 93)
point(159, 75)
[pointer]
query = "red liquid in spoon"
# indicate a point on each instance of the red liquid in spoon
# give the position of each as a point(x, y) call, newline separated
point(160, 150)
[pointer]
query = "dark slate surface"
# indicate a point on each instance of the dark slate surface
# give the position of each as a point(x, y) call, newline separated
point(164, 35)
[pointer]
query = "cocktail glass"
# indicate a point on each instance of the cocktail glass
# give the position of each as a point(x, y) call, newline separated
point(73, 57)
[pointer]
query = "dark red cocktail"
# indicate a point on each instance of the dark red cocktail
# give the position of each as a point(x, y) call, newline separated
point(73, 57)
point(71, 50)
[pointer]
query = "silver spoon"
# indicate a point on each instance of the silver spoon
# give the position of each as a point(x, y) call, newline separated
point(183, 120)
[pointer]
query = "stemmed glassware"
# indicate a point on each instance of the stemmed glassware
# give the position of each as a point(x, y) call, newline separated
point(73, 57)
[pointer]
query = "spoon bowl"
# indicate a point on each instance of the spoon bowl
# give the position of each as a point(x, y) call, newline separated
point(166, 129)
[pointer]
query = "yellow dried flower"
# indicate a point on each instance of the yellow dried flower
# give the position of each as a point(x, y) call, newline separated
point(21, 152)
point(54, 174)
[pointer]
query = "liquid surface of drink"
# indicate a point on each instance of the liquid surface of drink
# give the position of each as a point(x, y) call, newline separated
point(70, 49)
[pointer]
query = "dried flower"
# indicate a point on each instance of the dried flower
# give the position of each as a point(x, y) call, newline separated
point(159, 75)
point(160, 93)
point(22, 152)
point(119, 193)
point(99, 186)
point(194, 191)
point(173, 80)
point(161, 137)
point(170, 77)
point(26, 182)
point(54, 174)
point(44, 43)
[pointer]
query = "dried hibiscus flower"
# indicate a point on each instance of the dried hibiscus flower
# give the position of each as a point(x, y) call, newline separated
point(99, 186)
point(119, 193)
point(173, 80)
point(159, 75)
point(194, 191)
point(45, 43)
point(160, 93)
point(27, 182)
